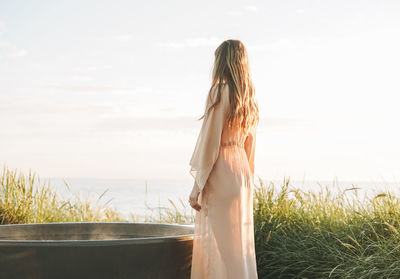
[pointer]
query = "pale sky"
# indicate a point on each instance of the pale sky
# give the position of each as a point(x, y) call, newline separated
point(112, 89)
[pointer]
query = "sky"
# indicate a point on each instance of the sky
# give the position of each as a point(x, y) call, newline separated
point(112, 89)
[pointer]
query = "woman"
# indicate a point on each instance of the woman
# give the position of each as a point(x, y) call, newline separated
point(222, 165)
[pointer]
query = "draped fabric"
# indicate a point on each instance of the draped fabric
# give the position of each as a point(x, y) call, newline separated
point(222, 166)
point(206, 150)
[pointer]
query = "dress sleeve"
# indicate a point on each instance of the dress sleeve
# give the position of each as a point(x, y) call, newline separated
point(250, 146)
point(208, 142)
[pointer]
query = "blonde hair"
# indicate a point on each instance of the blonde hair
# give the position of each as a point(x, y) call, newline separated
point(231, 66)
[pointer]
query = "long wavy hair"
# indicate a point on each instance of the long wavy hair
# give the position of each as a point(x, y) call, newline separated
point(231, 66)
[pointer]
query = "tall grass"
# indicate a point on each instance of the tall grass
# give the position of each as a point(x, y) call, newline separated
point(28, 199)
point(176, 213)
point(321, 235)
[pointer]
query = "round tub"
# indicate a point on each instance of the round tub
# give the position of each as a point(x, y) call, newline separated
point(95, 250)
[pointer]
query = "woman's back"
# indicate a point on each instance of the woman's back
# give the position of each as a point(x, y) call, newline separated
point(236, 145)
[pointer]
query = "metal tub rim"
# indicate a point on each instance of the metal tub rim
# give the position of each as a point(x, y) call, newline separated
point(98, 242)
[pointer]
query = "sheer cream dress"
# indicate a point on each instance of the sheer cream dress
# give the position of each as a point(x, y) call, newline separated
point(222, 165)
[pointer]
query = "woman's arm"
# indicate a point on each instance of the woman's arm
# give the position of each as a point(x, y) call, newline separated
point(194, 195)
point(250, 146)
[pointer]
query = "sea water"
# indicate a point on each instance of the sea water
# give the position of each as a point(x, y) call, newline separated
point(147, 197)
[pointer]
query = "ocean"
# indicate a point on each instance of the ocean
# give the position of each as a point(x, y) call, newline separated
point(146, 197)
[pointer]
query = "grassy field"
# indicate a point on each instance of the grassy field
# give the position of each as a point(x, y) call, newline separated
point(298, 234)
point(28, 199)
point(25, 198)
point(321, 235)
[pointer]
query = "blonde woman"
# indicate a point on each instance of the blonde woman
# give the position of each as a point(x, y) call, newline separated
point(222, 165)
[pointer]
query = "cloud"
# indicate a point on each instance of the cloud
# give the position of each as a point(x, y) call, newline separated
point(2, 27)
point(248, 8)
point(251, 8)
point(124, 37)
point(33, 116)
point(5, 44)
point(95, 88)
point(119, 37)
point(131, 123)
point(82, 78)
point(92, 68)
point(193, 42)
point(235, 13)
point(8, 49)
point(282, 122)
point(121, 123)
point(288, 44)
point(285, 43)
point(22, 116)
point(18, 53)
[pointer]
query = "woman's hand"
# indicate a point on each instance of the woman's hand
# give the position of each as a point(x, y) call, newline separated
point(193, 198)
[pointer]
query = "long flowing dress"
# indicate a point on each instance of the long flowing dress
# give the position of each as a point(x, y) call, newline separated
point(222, 165)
